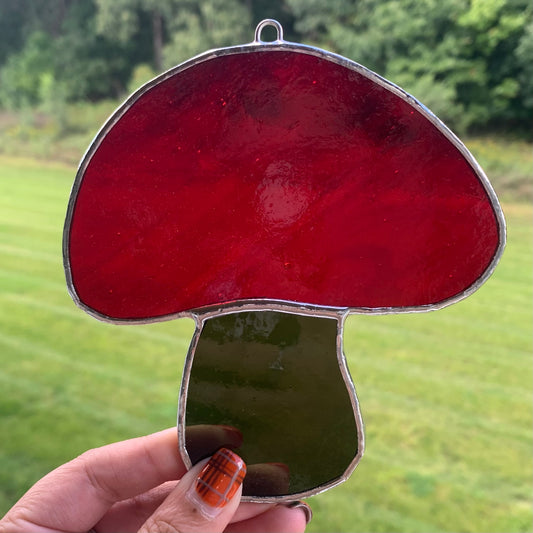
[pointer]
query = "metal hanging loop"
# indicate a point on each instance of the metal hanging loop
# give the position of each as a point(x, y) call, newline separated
point(263, 24)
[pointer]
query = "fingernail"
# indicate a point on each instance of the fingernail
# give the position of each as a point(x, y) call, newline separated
point(304, 507)
point(218, 482)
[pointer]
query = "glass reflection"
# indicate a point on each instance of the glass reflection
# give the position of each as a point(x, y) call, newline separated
point(275, 376)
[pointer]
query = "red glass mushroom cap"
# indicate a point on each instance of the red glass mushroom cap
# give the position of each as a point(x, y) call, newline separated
point(276, 172)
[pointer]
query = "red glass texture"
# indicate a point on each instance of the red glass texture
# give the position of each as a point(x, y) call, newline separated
point(275, 175)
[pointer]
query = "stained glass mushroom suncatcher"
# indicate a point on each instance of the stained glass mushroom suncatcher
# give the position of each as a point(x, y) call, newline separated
point(268, 190)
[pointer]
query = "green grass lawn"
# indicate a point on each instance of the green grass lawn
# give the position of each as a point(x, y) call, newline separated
point(446, 396)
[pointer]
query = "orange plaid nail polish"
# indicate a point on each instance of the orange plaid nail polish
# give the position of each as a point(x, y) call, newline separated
point(220, 479)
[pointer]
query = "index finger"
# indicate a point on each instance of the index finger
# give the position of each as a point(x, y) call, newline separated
point(76, 495)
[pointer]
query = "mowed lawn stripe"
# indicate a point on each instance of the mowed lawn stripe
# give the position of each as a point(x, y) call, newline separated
point(28, 252)
point(69, 310)
point(160, 348)
point(13, 280)
point(25, 230)
point(485, 484)
point(16, 212)
point(390, 368)
point(465, 353)
point(439, 416)
point(97, 410)
point(441, 505)
point(29, 352)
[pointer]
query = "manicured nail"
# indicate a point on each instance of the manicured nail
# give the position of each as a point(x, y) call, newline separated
point(304, 507)
point(218, 482)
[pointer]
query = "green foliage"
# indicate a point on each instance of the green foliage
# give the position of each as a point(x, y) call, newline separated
point(118, 18)
point(141, 74)
point(24, 73)
point(493, 31)
point(190, 26)
point(56, 130)
point(88, 65)
point(445, 396)
point(77, 63)
point(199, 26)
point(12, 20)
point(52, 96)
point(507, 163)
point(524, 57)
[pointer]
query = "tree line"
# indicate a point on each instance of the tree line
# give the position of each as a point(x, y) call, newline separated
point(469, 61)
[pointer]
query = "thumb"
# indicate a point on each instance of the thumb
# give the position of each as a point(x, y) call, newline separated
point(204, 500)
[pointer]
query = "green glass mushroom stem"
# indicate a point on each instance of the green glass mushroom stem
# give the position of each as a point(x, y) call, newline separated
point(281, 379)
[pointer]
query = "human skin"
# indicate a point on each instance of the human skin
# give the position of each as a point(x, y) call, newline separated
point(133, 486)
